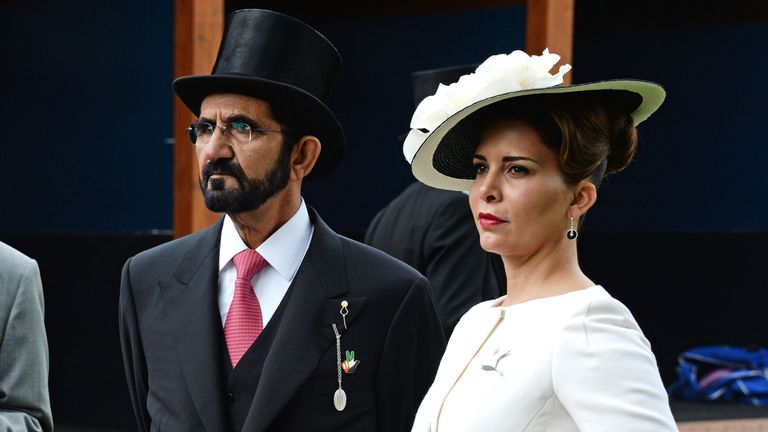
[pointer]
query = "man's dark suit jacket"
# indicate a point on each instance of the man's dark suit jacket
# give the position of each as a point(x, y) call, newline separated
point(171, 335)
point(433, 230)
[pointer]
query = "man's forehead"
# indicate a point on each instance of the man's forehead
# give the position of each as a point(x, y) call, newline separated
point(233, 103)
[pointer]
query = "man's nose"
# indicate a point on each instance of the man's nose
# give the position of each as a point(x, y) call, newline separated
point(217, 147)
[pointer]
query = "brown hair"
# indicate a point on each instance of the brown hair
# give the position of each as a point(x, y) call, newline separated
point(592, 133)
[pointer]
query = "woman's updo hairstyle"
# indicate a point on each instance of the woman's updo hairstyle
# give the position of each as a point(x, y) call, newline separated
point(591, 132)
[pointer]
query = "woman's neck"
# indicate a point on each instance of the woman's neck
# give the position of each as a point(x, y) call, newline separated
point(543, 274)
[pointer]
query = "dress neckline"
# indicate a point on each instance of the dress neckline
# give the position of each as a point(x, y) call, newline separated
point(496, 304)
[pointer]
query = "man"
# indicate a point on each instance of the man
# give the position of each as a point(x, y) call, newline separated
point(24, 401)
point(433, 230)
point(311, 331)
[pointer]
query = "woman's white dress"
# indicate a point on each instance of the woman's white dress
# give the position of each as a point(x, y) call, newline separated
point(572, 362)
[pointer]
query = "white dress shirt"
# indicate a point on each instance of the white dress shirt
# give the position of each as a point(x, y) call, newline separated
point(567, 363)
point(284, 251)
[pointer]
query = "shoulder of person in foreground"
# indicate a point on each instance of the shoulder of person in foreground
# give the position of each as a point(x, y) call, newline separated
point(138, 288)
point(388, 283)
point(24, 399)
point(166, 257)
point(360, 257)
point(604, 371)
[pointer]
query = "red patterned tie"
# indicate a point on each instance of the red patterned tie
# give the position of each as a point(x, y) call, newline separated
point(244, 323)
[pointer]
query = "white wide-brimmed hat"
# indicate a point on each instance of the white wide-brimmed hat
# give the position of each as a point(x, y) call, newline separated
point(500, 78)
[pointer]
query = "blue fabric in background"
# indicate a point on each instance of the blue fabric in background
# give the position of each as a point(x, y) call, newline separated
point(721, 373)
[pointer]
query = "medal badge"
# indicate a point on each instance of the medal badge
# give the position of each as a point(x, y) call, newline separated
point(350, 364)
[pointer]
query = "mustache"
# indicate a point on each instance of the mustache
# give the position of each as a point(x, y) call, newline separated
point(222, 166)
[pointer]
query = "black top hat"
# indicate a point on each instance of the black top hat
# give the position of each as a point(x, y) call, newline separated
point(283, 61)
point(425, 83)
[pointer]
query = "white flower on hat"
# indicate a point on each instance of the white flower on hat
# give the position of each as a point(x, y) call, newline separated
point(499, 74)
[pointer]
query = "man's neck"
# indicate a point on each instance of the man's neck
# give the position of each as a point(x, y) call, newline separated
point(257, 225)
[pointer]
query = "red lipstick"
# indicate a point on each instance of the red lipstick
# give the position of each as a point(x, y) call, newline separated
point(489, 220)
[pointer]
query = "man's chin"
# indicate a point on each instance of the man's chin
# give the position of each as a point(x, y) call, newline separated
point(220, 184)
point(229, 201)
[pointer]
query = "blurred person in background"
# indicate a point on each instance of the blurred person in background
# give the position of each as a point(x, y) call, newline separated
point(24, 401)
point(433, 231)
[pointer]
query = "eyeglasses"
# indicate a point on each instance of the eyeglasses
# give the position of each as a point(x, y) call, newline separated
point(200, 132)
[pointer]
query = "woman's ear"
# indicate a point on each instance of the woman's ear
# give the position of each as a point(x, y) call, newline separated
point(584, 197)
point(304, 157)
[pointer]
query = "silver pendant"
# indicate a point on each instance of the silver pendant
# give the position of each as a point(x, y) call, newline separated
point(340, 400)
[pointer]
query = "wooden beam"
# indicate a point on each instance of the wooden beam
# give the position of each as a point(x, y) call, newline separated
point(335, 11)
point(549, 24)
point(199, 26)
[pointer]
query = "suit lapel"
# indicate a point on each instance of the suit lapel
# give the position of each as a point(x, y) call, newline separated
point(195, 324)
point(305, 331)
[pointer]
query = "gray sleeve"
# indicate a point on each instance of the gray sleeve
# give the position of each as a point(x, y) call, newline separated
point(24, 399)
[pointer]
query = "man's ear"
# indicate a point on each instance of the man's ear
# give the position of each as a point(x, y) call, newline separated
point(304, 157)
point(584, 197)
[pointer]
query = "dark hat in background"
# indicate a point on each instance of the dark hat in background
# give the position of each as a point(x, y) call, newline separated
point(425, 83)
point(279, 59)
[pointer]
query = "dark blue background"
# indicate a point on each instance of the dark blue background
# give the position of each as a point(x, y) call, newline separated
point(87, 106)
point(374, 100)
point(88, 111)
point(701, 159)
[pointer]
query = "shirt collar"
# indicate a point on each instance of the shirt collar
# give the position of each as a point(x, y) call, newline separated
point(284, 249)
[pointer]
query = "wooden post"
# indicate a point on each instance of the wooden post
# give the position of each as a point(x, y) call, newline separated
point(549, 24)
point(199, 26)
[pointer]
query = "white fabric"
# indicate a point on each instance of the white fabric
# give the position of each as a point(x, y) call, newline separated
point(284, 251)
point(573, 362)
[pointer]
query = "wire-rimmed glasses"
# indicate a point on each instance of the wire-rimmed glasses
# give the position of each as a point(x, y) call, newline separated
point(200, 132)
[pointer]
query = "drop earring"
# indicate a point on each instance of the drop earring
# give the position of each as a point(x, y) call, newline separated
point(572, 233)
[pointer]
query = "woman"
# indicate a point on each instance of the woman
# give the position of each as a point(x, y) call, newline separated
point(557, 353)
